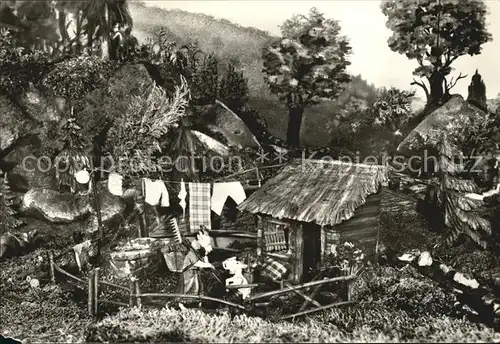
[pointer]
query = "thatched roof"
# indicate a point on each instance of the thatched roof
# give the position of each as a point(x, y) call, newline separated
point(455, 113)
point(317, 191)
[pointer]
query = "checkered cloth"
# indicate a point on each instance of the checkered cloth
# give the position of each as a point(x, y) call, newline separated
point(199, 206)
point(273, 269)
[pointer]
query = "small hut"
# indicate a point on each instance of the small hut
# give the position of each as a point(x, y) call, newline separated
point(311, 204)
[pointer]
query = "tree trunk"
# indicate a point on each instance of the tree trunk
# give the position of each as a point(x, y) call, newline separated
point(436, 89)
point(294, 124)
point(105, 35)
point(62, 26)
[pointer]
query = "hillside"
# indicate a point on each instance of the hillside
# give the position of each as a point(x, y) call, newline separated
point(232, 42)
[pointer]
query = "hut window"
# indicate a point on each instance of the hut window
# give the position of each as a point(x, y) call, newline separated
point(276, 237)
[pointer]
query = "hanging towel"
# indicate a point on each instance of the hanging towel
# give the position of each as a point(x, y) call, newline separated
point(182, 196)
point(222, 191)
point(199, 206)
point(115, 184)
point(155, 191)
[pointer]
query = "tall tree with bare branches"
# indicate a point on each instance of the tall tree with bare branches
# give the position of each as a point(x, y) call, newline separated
point(436, 33)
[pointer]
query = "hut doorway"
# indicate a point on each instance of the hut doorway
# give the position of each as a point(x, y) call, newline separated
point(312, 248)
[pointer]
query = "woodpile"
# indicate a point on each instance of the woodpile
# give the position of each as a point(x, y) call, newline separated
point(482, 298)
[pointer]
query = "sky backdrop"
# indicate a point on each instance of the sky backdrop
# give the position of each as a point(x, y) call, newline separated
point(363, 22)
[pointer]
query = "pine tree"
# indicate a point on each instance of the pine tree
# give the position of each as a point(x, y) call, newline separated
point(8, 221)
point(460, 215)
point(72, 157)
point(233, 89)
point(205, 83)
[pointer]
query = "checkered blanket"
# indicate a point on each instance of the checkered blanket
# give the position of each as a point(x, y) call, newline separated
point(273, 269)
point(199, 206)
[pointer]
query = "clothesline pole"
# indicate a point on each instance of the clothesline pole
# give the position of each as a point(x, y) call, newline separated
point(100, 229)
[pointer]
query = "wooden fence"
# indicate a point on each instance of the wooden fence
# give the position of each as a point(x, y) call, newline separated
point(93, 285)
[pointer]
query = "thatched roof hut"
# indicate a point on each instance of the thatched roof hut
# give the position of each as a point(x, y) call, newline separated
point(454, 114)
point(319, 203)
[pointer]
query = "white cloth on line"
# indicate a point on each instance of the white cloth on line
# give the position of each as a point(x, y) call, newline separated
point(115, 184)
point(182, 196)
point(224, 190)
point(156, 191)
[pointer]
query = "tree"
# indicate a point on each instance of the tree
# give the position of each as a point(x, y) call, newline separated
point(72, 157)
point(100, 16)
point(477, 92)
point(8, 221)
point(233, 89)
point(373, 128)
point(142, 130)
point(306, 65)
point(205, 81)
point(436, 33)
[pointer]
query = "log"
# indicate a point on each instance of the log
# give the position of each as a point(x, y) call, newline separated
point(480, 299)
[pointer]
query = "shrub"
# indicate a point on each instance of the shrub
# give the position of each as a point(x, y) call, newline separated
point(18, 68)
point(75, 77)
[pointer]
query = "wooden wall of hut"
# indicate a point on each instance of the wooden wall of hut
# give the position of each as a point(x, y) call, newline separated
point(363, 228)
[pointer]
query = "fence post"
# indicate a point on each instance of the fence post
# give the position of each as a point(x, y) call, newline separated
point(349, 290)
point(137, 291)
point(132, 291)
point(90, 299)
point(96, 289)
point(52, 275)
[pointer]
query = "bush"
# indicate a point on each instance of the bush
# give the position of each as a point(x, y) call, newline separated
point(76, 77)
point(18, 68)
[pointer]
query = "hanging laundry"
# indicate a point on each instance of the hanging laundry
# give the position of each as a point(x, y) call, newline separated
point(199, 206)
point(115, 184)
point(222, 191)
point(155, 191)
point(182, 196)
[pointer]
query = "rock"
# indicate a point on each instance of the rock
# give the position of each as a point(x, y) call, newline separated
point(13, 123)
point(112, 209)
point(30, 169)
point(42, 107)
point(425, 259)
point(54, 206)
point(226, 123)
point(57, 207)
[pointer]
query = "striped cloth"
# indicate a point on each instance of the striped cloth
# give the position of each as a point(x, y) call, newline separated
point(199, 206)
point(273, 269)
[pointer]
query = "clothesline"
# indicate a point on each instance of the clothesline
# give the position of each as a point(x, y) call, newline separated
point(221, 179)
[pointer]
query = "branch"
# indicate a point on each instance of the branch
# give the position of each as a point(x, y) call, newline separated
point(452, 83)
point(421, 84)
